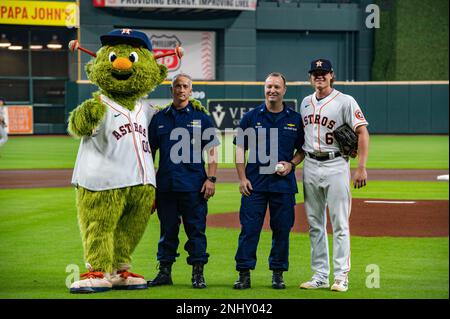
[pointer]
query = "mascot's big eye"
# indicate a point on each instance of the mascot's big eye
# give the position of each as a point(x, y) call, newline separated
point(112, 57)
point(133, 57)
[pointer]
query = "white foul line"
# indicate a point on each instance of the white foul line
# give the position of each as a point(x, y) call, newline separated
point(388, 202)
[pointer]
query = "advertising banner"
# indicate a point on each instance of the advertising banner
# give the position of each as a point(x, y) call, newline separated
point(226, 113)
point(19, 119)
point(181, 4)
point(43, 13)
point(199, 59)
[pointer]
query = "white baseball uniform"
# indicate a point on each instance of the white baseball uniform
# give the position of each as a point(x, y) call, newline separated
point(117, 154)
point(327, 182)
point(3, 131)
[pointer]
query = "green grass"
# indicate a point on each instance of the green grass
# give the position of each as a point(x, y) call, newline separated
point(40, 238)
point(408, 152)
point(389, 152)
point(386, 151)
point(39, 152)
point(227, 198)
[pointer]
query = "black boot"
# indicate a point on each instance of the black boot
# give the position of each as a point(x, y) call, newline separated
point(277, 280)
point(198, 281)
point(163, 277)
point(243, 281)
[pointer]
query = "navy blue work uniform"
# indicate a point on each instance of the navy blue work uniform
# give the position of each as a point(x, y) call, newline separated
point(278, 192)
point(179, 180)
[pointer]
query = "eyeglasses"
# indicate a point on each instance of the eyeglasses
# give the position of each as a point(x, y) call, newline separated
point(319, 73)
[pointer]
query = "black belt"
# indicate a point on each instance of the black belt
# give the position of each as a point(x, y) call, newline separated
point(324, 156)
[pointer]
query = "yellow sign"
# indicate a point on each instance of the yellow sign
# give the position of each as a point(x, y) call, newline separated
point(39, 13)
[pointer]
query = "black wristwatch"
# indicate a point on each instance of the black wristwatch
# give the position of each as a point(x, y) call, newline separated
point(212, 179)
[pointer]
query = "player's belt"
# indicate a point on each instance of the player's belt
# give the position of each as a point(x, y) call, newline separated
point(324, 156)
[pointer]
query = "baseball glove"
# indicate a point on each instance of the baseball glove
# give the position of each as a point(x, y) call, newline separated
point(347, 140)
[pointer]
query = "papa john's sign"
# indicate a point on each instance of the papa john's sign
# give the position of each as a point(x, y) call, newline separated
point(48, 13)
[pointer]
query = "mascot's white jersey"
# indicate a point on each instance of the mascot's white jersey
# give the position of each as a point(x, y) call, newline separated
point(117, 154)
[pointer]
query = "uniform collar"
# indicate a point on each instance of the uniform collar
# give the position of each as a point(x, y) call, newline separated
point(332, 94)
point(286, 111)
point(171, 109)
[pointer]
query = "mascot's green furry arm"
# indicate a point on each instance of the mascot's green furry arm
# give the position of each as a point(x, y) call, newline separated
point(85, 118)
point(114, 173)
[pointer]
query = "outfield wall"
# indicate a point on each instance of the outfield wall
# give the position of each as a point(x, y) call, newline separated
point(390, 107)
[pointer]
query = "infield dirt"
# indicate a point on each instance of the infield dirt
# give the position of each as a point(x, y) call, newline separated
point(62, 177)
point(424, 218)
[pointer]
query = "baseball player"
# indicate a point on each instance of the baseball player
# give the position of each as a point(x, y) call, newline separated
point(326, 174)
point(3, 132)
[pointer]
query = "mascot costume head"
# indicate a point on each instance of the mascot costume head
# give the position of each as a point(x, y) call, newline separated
point(114, 174)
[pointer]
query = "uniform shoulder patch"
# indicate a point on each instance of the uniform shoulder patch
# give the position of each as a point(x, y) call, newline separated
point(359, 115)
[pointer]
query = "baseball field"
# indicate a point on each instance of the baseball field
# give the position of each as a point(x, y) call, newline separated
point(399, 226)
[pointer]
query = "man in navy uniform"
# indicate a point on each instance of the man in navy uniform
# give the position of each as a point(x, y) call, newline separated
point(267, 182)
point(183, 187)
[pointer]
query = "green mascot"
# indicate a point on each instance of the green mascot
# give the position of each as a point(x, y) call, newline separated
point(114, 174)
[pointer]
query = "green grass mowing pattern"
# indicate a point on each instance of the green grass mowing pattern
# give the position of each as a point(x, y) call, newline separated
point(227, 198)
point(39, 152)
point(408, 152)
point(386, 151)
point(390, 152)
point(40, 238)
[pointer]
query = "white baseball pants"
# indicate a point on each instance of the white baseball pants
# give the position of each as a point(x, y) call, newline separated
point(327, 184)
point(3, 135)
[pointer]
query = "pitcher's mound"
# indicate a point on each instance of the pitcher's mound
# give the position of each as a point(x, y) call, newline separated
point(369, 217)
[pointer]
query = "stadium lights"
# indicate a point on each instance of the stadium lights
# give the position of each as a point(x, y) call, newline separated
point(15, 47)
point(4, 42)
point(54, 44)
point(35, 45)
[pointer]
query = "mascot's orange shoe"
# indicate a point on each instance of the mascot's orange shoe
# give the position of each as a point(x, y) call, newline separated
point(95, 282)
point(126, 280)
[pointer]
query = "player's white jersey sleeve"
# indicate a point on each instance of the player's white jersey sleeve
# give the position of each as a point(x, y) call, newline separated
point(353, 115)
point(117, 154)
